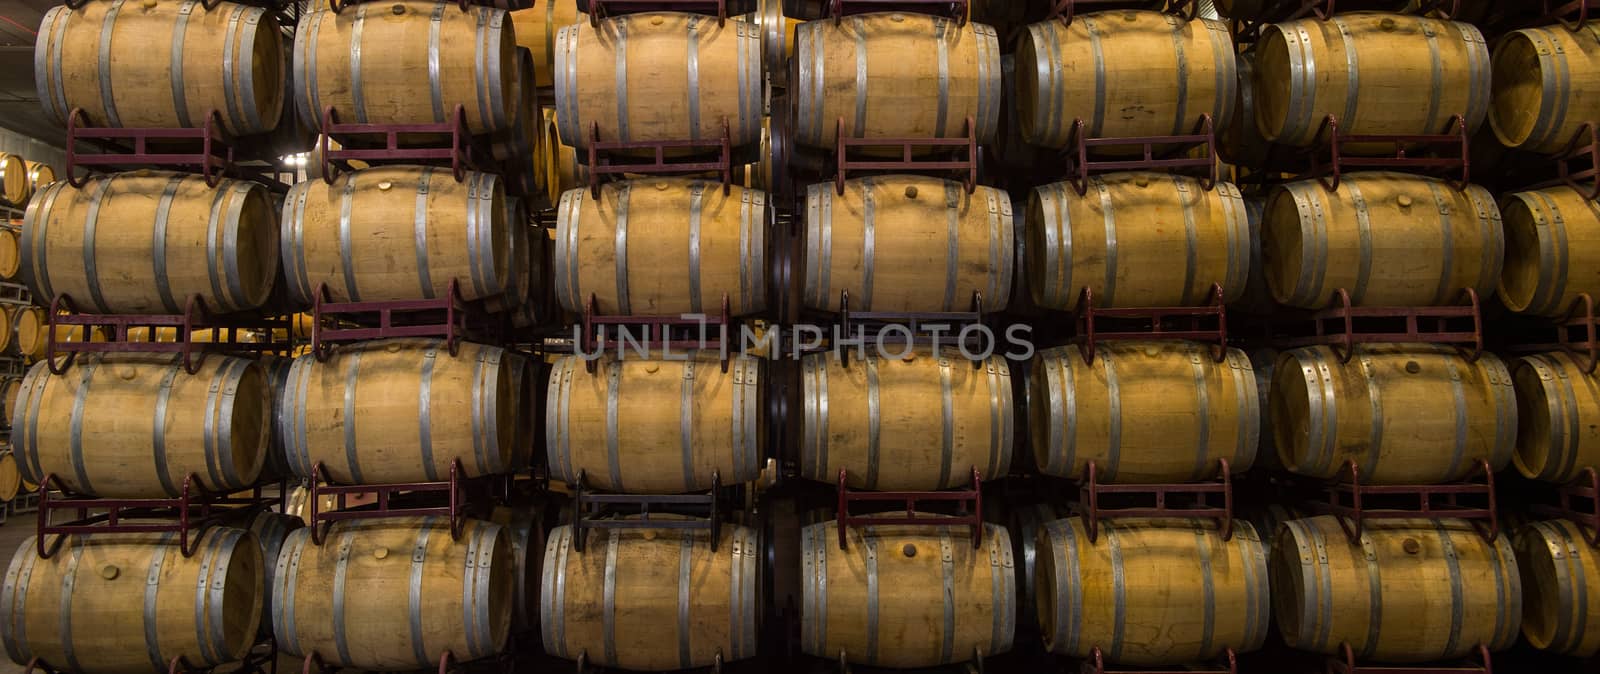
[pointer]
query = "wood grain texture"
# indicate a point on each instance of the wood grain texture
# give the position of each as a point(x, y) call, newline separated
point(1151, 592)
point(1144, 411)
point(652, 599)
point(1558, 417)
point(1552, 250)
point(135, 425)
point(1411, 591)
point(1561, 597)
point(15, 187)
point(1137, 239)
point(536, 29)
point(1404, 413)
point(1546, 86)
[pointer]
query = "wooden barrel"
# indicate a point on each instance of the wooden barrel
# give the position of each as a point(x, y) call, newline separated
point(524, 527)
point(15, 187)
point(1027, 520)
point(1151, 592)
point(99, 243)
point(697, 604)
point(1143, 412)
point(277, 464)
point(1389, 239)
point(1414, 590)
point(874, 419)
point(880, 240)
point(691, 245)
point(1546, 81)
point(401, 410)
point(1404, 413)
point(7, 336)
point(1240, 142)
point(1376, 73)
point(169, 65)
point(133, 602)
point(1559, 574)
point(1257, 297)
point(1270, 518)
point(901, 596)
point(414, 39)
point(396, 233)
point(684, 420)
point(39, 175)
point(10, 476)
point(10, 253)
point(394, 594)
point(31, 336)
point(1128, 73)
point(659, 76)
point(1125, 247)
point(1558, 417)
point(271, 530)
point(164, 424)
point(536, 29)
point(10, 390)
point(895, 75)
point(563, 171)
point(516, 142)
point(1552, 250)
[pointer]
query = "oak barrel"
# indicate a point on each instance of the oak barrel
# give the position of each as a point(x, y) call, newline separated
point(562, 170)
point(1143, 411)
point(662, 246)
point(697, 605)
point(1376, 73)
point(895, 75)
point(1389, 239)
point(10, 477)
point(1123, 73)
point(1027, 520)
point(124, 603)
point(39, 175)
point(146, 241)
point(271, 530)
point(536, 29)
point(15, 188)
point(655, 426)
point(1404, 413)
point(167, 64)
point(419, 64)
point(923, 422)
point(10, 392)
point(277, 463)
point(908, 243)
point(394, 594)
point(401, 410)
point(1552, 250)
point(1558, 417)
point(1546, 86)
point(164, 425)
point(1560, 576)
point(1137, 239)
point(396, 233)
point(10, 253)
point(901, 596)
point(1412, 590)
point(8, 338)
point(525, 530)
point(1152, 592)
point(659, 76)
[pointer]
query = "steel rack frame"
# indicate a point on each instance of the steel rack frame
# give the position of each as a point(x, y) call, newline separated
point(192, 510)
point(969, 502)
point(63, 310)
point(1160, 153)
point(461, 492)
point(448, 317)
point(1357, 509)
point(1090, 491)
point(1159, 323)
point(1345, 663)
point(445, 143)
point(685, 332)
point(1227, 663)
point(207, 149)
point(965, 161)
point(1579, 503)
point(590, 510)
point(1581, 319)
point(1377, 325)
point(1329, 161)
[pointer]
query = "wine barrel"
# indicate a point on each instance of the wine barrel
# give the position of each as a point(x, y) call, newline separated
point(277, 464)
point(524, 528)
point(1414, 590)
point(895, 75)
point(10, 476)
point(516, 284)
point(1131, 226)
point(99, 243)
point(1240, 143)
point(516, 142)
point(39, 175)
point(945, 602)
point(271, 530)
point(563, 171)
point(685, 420)
point(536, 29)
point(415, 39)
point(872, 418)
point(1152, 592)
point(1376, 73)
point(133, 602)
point(1257, 297)
point(15, 188)
point(395, 593)
point(659, 76)
point(1552, 250)
point(7, 337)
point(1546, 86)
point(1404, 413)
point(10, 252)
point(1027, 520)
point(1558, 417)
point(691, 244)
point(31, 335)
point(212, 424)
point(698, 604)
point(1389, 239)
point(1143, 412)
point(1128, 73)
point(401, 410)
point(396, 233)
point(168, 65)
point(10, 392)
point(1561, 596)
point(879, 240)
point(1270, 518)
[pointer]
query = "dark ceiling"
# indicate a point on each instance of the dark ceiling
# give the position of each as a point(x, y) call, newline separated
point(19, 102)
